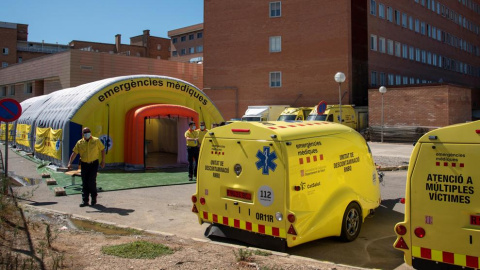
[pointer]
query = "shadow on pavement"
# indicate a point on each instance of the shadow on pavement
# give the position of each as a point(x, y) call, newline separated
point(112, 210)
point(372, 249)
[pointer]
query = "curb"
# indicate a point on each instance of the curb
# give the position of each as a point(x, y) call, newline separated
point(392, 168)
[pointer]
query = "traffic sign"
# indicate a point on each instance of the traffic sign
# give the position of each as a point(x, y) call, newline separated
point(322, 106)
point(10, 110)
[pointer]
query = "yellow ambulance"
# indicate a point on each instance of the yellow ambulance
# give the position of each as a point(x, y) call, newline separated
point(441, 229)
point(278, 184)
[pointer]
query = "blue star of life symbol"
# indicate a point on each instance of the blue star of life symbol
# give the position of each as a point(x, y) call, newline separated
point(57, 145)
point(266, 160)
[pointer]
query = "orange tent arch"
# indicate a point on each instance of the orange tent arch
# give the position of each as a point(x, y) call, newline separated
point(135, 128)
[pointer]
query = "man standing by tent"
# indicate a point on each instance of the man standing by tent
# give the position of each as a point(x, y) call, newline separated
point(191, 136)
point(89, 148)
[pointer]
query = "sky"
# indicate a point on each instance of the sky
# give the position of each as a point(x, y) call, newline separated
point(55, 21)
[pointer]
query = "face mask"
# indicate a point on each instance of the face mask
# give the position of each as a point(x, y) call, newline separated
point(202, 127)
point(194, 127)
point(87, 135)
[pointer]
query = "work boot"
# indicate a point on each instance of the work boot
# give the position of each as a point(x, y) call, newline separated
point(83, 204)
point(94, 200)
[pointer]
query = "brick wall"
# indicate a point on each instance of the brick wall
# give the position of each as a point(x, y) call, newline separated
point(428, 106)
point(8, 39)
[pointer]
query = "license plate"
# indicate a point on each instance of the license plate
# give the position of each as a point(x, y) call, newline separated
point(239, 194)
point(475, 220)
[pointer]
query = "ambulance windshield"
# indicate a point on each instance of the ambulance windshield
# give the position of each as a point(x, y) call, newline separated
point(321, 117)
point(287, 117)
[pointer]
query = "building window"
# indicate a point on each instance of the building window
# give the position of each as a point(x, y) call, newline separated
point(398, 52)
point(174, 53)
point(191, 50)
point(276, 44)
point(183, 52)
point(405, 80)
point(174, 40)
point(4, 64)
point(412, 80)
point(20, 59)
point(275, 9)
point(182, 39)
point(404, 20)
point(410, 23)
point(200, 35)
point(434, 32)
point(417, 55)
point(381, 10)
point(3, 91)
point(12, 90)
point(417, 26)
point(429, 58)
point(398, 80)
point(411, 53)
point(397, 17)
point(381, 45)
point(275, 79)
point(440, 61)
point(424, 56)
point(390, 79)
point(29, 88)
point(405, 51)
point(191, 37)
point(5, 51)
point(389, 14)
point(200, 48)
point(373, 42)
point(373, 7)
point(159, 47)
point(422, 28)
point(374, 78)
point(382, 78)
point(390, 47)
point(434, 59)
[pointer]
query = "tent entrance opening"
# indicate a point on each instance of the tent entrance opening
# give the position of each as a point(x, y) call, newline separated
point(162, 142)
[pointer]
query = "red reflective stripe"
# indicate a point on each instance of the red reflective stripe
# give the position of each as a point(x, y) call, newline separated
point(249, 226)
point(205, 215)
point(314, 158)
point(292, 126)
point(448, 257)
point(426, 253)
point(437, 163)
point(215, 218)
point(462, 165)
point(276, 231)
point(321, 157)
point(236, 223)
point(472, 261)
point(454, 164)
point(300, 160)
point(272, 127)
point(445, 164)
point(225, 220)
point(261, 229)
point(308, 159)
point(282, 127)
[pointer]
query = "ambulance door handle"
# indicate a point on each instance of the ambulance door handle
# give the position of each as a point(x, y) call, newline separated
point(235, 203)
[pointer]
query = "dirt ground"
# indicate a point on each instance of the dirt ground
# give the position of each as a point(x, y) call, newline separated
point(55, 241)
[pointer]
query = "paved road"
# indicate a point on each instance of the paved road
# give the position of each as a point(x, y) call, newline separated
point(168, 209)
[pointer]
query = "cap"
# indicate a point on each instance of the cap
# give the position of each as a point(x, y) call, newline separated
point(191, 123)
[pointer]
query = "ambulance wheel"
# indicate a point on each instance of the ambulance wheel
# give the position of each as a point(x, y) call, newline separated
point(352, 222)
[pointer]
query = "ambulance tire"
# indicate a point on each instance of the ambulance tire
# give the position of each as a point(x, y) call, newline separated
point(352, 222)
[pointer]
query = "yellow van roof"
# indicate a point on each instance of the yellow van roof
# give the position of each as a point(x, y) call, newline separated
point(459, 133)
point(283, 130)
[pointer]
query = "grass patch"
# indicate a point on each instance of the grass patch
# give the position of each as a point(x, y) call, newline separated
point(137, 250)
point(247, 255)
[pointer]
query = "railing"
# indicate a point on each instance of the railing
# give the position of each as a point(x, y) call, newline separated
point(41, 50)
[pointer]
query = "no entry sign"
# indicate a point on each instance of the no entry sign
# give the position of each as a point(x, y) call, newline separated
point(10, 110)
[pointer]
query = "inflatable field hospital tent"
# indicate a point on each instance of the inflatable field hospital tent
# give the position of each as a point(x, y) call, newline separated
point(136, 118)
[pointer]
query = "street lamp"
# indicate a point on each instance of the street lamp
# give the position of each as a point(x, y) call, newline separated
point(382, 90)
point(340, 78)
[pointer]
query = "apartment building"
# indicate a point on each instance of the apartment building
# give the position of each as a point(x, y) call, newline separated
point(16, 48)
point(287, 52)
point(187, 44)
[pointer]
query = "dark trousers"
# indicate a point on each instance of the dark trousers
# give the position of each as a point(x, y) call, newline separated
point(89, 180)
point(192, 153)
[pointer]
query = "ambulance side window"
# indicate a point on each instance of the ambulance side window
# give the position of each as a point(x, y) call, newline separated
point(330, 118)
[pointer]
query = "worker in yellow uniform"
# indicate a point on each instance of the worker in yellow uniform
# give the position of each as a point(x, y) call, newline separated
point(201, 133)
point(191, 136)
point(89, 148)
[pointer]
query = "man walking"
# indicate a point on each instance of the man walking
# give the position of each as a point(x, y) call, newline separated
point(89, 148)
point(191, 136)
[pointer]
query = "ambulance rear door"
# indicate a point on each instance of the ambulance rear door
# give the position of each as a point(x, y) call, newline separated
point(243, 183)
point(445, 204)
